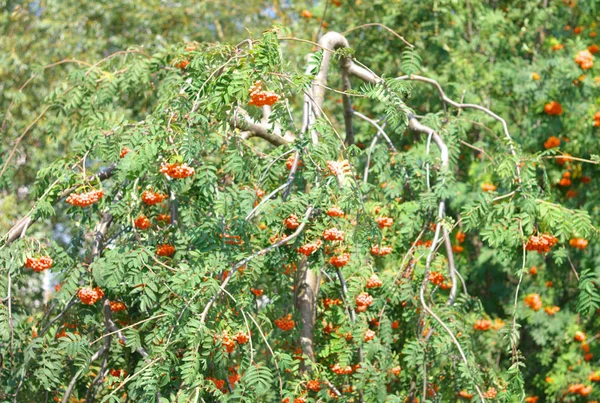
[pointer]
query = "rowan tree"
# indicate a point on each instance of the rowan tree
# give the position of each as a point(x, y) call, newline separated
point(397, 211)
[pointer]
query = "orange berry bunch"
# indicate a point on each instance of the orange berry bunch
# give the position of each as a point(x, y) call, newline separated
point(426, 243)
point(580, 389)
point(566, 179)
point(219, 383)
point(286, 323)
point(313, 385)
point(177, 171)
point(593, 49)
point(551, 310)
point(142, 222)
point(363, 301)
point(241, 337)
point(151, 198)
point(259, 98)
point(333, 234)
point(579, 243)
point(164, 217)
point(551, 142)
point(482, 324)
point(465, 395)
point(338, 167)
point(339, 370)
point(289, 163)
point(310, 248)
point(340, 261)
point(377, 251)
point(542, 243)
point(165, 250)
point(85, 199)
point(597, 119)
point(490, 393)
point(117, 373)
point(374, 282)
point(335, 212)
point(117, 306)
point(384, 222)
point(488, 187)
point(436, 278)
point(369, 335)
point(39, 264)
point(256, 292)
point(227, 342)
point(124, 152)
point(90, 296)
point(531, 399)
point(594, 377)
point(291, 222)
point(553, 108)
point(585, 60)
point(182, 64)
point(328, 302)
point(460, 236)
point(579, 336)
point(533, 301)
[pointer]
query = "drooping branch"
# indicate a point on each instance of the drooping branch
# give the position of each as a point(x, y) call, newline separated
point(250, 128)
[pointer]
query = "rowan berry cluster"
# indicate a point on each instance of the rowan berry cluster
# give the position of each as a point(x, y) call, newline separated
point(579, 336)
point(333, 234)
point(256, 292)
point(490, 393)
point(182, 64)
point(228, 343)
point(286, 323)
point(165, 250)
point(151, 198)
point(313, 385)
point(579, 243)
point(124, 152)
point(289, 163)
point(374, 282)
point(566, 179)
point(90, 296)
point(597, 119)
point(594, 49)
point(340, 261)
point(260, 98)
point(335, 212)
point(363, 301)
point(328, 302)
point(460, 236)
point(177, 171)
point(381, 251)
point(585, 60)
point(142, 222)
point(117, 306)
point(488, 187)
point(594, 377)
point(338, 167)
point(482, 324)
point(553, 108)
point(436, 278)
point(85, 199)
point(542, 243)
point(339, 370)
point(117, 373)
point(420, 242)
point(219, 383)
point(384, 222)
point(533, 301)
point(369, 335)
point(291, 222)
point(241, 337)
point(551, 142)
point(39, 264)
point(164, 217)
point(580, 389)
point(310, 248)
point(551, 310)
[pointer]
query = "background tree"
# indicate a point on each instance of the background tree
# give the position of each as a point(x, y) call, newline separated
point(400, 211)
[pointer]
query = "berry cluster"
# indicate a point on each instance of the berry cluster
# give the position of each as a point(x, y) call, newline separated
point(124, 152)
point(259, 98)
point(579, 243)
point(490, 393)
point(335, 212)
point(291, 222)
point(165, 250)
point(585, 60)
point(151, 198)
point(542, 243)
point(286, 323)
point(553, 108)
point(579, 336)
point(396, 370)
point(340, 261)
point(594, 377)
point(369, 335)
point(241, 337)
point(228, 343)
point(164, 217)
point(384, 222)
point(256, 292)
point(338, 167)
point(482, 324)
point(90, 296)
point(117, 306)
point(436, 278)
point(488, 187)
point(566, 179)
point(142, 222)
point(310, 248)
point(328, 302)
point(333, 234)
point(177, 171)
point(384, 250)
point(219, 383)
point(85, 199)
point(551, 310)
point(597, 119)
point(39, 264)
point(420, 242)
point(551, 142)
point(313, 385)
point(533, 301)
point(347, 370)
point(289, 163)
point(374, 282)
point(117, 373)
point(580, 389)
point(363, 301)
